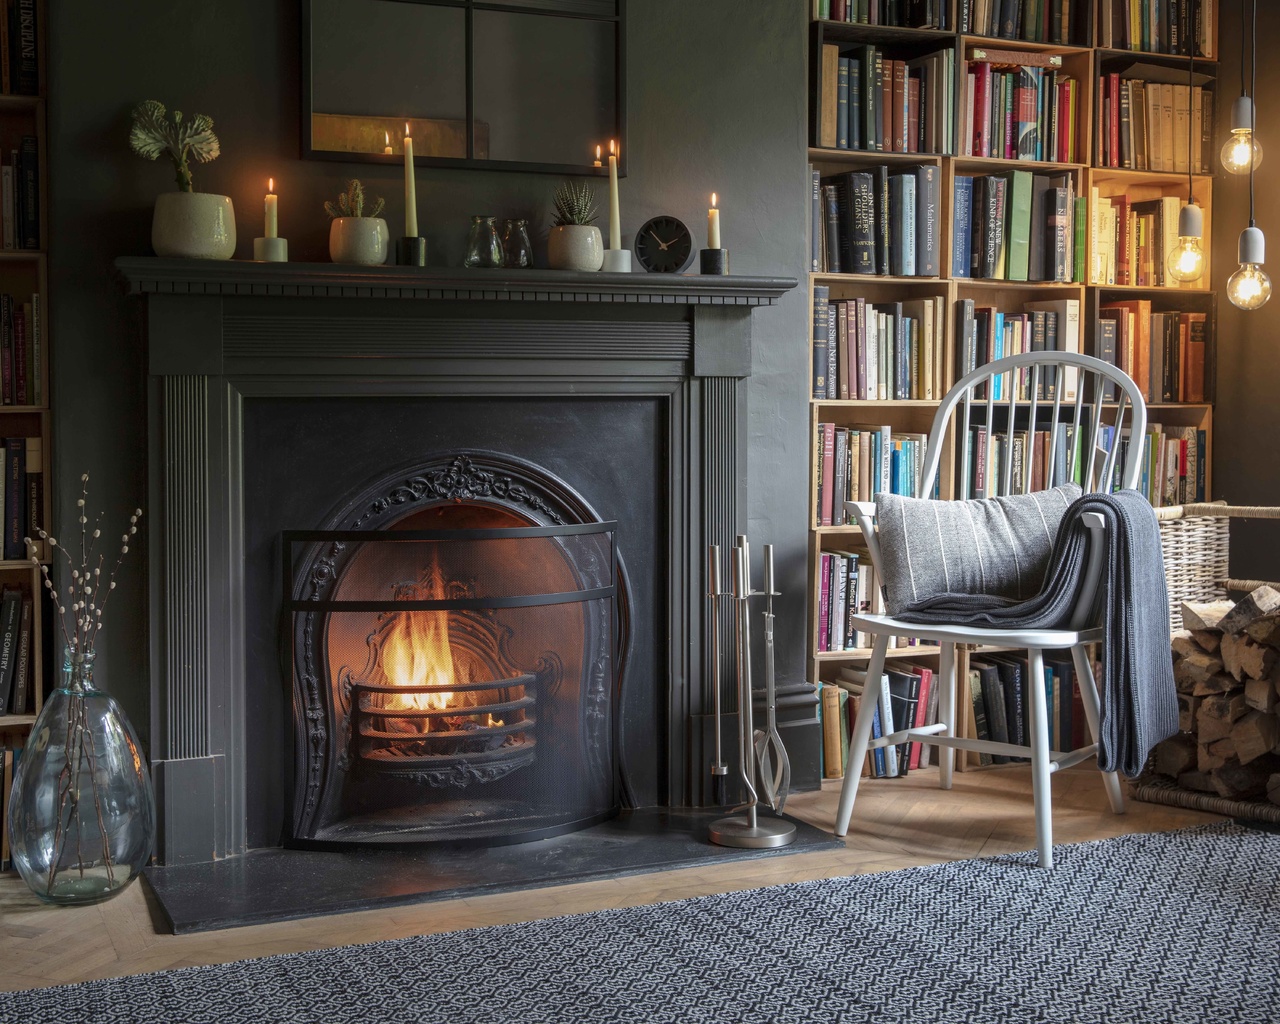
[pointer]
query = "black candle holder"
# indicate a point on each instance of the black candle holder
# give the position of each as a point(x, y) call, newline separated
point(714, 261)
point(411, 251)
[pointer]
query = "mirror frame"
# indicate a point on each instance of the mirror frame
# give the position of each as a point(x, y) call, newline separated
point(553, 8)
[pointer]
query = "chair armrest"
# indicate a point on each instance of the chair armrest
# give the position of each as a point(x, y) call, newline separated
point(864, 514)
point(1085, 613)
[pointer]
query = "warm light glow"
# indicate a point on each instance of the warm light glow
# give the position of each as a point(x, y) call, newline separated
point(1241, 150)
point(597, 153)
point(612, 148)
point(386, 138)
point(1186, 260)
point(416, 652)
point(1249, 287)
point(271, 185)
point(406, 129)
point(713, 200)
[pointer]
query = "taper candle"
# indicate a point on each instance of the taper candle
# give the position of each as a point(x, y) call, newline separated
point(410, 189)
point(272, 201)
point(713, 225)
point(615, 219)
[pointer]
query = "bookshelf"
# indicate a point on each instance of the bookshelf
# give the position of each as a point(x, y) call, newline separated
point(1093, 183)
point(24, 343)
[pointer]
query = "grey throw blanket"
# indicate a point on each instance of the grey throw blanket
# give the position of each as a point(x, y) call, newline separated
point(1138, 700)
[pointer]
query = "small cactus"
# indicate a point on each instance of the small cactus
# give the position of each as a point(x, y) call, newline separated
point(155, 130)
point(351, 203)
point(575, 204)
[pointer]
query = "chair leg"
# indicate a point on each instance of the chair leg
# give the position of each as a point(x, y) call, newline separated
point(1089, 696)
point(1040, 756)
point(946, 711)
point(861, 735)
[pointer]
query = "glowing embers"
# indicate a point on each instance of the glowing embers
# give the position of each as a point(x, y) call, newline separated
point(430, 706)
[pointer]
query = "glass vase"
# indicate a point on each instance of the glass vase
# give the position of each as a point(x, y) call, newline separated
point(82, 818)
point(517, 250)
point(484, 249)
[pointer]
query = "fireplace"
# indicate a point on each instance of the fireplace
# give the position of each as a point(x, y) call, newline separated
point(455, 659)
point(307, 420)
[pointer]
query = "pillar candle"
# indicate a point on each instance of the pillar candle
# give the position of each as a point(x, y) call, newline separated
point(713, 225)
point(615, 220)
point(272, 224)
point(410, 189)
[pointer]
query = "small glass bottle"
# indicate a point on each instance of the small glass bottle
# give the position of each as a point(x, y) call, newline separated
point(517, 250)
point(483, 247)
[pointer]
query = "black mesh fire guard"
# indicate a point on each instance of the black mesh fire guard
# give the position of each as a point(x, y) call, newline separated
point(453, 685)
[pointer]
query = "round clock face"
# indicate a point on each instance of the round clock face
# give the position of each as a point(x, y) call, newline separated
point(664, 246)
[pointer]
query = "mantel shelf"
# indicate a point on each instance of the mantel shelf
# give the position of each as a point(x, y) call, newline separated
point(152, 275)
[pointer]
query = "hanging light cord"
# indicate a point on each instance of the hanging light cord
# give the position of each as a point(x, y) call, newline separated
point(1253, 109)
point(1191, 65)
point(1242, 27)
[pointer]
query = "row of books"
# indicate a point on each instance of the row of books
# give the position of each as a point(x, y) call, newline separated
point(1014, 110)
point(877, 222)
point(1132, 240)
point(9, 757)
point(1016, 226)
point(19, 49)
point(878, 351)
point(985, 334)
point(899, 13)
point(21, 351)
point(999, 706)
point(905, 697)
point(1041, 21)
point(1147, 125)
point(855, 463)
point(868, 101)
point(848, 586)
point(1165, 352)
point(22, 496)
point(1160, 26)
point(17, 658)
point(20, 197)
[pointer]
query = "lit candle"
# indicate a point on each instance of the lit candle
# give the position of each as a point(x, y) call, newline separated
point(713, 225)
point(598, 163)
point(410, 189)
point(271, 206)
point(386, 138)
point(615, 219)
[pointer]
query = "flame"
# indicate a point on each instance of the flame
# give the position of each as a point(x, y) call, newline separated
point(406, 129)
point(612, 148)
point(416, 650)
point(271, 184)
point(713, 200)
point(597, 152)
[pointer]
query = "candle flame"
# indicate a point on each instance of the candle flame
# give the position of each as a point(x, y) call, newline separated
point(271, 184)
point(612, 150)
point(597, 152)
point(713, 200)
point(406, 129)
point(386, 138)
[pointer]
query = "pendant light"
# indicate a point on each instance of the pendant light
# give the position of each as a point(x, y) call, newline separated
point(1186, 259)
point(1250, 287)
point(1242, 151)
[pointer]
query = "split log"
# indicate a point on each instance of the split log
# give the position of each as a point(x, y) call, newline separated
point(1175, 755)
point(1254, 735)
point(1206, 760)
point(1257, 605)
point(1197, 782)
point(1273, 788)
point(1242, 657)
point(1236, 781)
point(1207, 639)
point(1187, 708)
point(1194, 668)
point(1204, 614)
point(1183, 643)
point(1215, 685)
point(1224, 748)
point(1216, 716)
point(1265, 631)
point(1259, 694)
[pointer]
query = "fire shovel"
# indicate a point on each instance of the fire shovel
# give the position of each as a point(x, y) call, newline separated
point(771, 754)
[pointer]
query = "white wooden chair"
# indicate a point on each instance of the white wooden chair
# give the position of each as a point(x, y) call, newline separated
point(1098, 470)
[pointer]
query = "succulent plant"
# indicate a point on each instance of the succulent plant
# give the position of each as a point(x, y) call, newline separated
point(154, 131)
point(351, 203)
point(575, 204)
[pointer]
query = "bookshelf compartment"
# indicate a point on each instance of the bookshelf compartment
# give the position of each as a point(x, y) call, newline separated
point(1125, 210)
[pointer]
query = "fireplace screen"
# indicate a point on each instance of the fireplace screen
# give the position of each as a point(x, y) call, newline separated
point(452, 684)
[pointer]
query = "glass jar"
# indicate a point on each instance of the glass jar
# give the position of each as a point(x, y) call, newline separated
point(82, 818)
point(483, 247)
point(517, 250)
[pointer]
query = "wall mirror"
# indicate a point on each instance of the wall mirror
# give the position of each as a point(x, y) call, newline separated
point(530, 85)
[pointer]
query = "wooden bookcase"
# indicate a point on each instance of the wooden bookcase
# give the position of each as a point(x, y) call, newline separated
point(24, 274)
point(1085, 63)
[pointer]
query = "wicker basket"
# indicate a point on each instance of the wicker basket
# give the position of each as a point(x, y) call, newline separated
point(1195, 542)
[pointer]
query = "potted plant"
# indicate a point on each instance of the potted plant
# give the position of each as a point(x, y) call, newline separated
point(187, 223)
point(574, 242)
point(356, 236)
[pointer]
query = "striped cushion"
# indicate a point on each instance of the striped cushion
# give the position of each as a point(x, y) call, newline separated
point(997, 546)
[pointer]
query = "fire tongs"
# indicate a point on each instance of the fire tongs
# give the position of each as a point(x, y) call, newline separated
point(775, 780)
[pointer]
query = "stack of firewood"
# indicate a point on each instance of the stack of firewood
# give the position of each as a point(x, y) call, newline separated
point(1227, 669)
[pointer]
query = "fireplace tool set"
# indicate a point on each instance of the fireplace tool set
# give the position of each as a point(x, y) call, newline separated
point(763, 766)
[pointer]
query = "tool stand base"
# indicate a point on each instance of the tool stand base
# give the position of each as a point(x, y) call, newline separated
point(737, 832)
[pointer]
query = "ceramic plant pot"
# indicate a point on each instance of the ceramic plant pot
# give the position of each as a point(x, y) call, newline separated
point(194, 225)
point(358, 240)
point(575, 247)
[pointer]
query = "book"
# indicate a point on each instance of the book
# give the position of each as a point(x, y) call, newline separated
point(976, 714)
point(28, 197)
point(24, 63)
point(22, 688)
point(15, 501)
point(34, 494)
point(10, 621)
point(842, 104)
point(904, 692)
point(993, 697)
point(820, 296)
point(928, 205)
point(828, 97)
point(832, 767)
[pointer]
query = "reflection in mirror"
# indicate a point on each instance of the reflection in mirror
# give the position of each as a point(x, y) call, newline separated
point(542, 88)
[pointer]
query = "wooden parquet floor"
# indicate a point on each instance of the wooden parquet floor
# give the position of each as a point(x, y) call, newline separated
point(897, 825)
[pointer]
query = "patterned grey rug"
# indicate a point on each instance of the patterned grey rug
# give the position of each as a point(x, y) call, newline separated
point(1174, 927)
